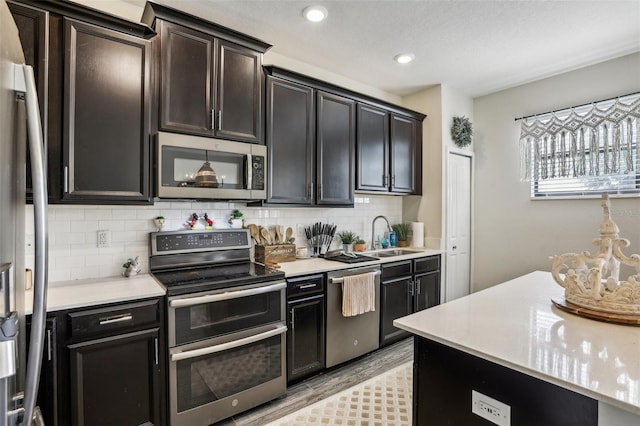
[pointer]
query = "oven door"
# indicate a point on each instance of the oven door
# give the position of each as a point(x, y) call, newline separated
point(212, 380)
point(208, 315)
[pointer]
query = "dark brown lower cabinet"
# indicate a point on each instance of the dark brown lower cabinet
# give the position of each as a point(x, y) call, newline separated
point(396, 301)
point(306, 323)
point(114, 381)
point(103, 366)
point(406, 286)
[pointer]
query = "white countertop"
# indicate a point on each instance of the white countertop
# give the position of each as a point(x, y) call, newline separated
point(82, 293)
point(315, 265)
point(514, 324)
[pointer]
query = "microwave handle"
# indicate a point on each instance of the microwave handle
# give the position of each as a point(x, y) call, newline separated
point(249, 171)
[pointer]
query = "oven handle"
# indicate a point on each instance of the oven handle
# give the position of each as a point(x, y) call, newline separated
point(230, 345)
point(181, 303)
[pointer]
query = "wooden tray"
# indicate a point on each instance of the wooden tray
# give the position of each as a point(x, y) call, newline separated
point(627, 319)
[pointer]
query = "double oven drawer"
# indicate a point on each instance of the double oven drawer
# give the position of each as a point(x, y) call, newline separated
point(227, 351)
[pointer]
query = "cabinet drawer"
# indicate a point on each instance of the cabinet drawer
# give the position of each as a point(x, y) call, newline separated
point(97, 322)
point(396, 270)
point(427, 264)
point(303, 286)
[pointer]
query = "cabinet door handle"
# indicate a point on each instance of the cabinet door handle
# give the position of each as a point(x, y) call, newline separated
point(303, 286)
point(119, 318)
point(65, 179)
point(220, 120)
point(410, 284)
point(384, 180)
point(155, 342)
point(213, 119)
point(49, 348)
point(418, 287)
point(293, 320)
point(393, 180)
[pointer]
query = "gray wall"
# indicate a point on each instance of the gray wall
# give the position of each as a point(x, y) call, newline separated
point(513, 234)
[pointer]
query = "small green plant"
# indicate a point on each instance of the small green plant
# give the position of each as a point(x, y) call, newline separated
point(348, 237)
point(236, 214)
point(401, 230)
point(360, 241)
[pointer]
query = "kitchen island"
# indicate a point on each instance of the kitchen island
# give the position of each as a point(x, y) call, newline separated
point(509, 343)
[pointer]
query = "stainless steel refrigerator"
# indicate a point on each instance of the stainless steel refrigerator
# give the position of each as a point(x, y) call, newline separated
point(19, 125)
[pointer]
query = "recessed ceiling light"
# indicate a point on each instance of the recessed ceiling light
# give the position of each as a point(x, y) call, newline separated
point(404, 58)
point(315, 13)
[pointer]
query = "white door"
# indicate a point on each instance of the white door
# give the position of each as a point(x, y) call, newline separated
point(458, 268)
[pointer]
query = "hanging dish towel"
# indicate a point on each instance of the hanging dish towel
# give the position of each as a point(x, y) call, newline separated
point(358, 294)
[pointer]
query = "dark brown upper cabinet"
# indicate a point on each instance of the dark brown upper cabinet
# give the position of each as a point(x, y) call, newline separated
point(406, 159)
point(311, 144)
point(186, 83)
point(210, 77)
point(335, 149)
point(326, 142)
point(93, 72)
point(290, 142)
point(373, 148)
point(106, 115)
point(388, 151)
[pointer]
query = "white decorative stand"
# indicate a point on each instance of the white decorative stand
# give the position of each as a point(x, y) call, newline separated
point(591, 282)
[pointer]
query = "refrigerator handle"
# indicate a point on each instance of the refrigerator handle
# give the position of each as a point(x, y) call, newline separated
point(39, 181)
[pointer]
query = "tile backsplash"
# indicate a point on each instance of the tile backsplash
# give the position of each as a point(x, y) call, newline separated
point(73, 230)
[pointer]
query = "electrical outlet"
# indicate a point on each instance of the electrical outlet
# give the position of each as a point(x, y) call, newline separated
point(104, 238)
point(490, 409)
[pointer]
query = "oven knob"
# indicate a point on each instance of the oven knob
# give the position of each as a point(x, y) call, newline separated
point(234, 403)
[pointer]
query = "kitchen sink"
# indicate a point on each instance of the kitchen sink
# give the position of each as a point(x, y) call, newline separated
point(390, 252)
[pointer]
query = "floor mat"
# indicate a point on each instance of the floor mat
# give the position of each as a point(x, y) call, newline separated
point(381, 401)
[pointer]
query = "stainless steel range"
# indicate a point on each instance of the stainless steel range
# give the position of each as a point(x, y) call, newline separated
point(226, 324)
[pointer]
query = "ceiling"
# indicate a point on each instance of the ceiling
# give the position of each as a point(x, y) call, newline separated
point(477, 47)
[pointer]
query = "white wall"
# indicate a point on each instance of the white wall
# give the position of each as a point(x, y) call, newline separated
point(514, 235)
point(73, 252)
point(441, 103)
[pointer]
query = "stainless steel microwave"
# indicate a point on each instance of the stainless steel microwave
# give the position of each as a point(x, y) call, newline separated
point(195, 167)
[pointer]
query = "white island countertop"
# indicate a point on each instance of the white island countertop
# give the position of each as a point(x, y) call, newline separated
point(89, 292)
point(515, 325)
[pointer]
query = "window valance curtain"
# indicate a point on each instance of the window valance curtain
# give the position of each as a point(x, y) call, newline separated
point(593, 140)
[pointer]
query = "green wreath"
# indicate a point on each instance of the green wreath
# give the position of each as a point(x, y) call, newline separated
point(461, 131)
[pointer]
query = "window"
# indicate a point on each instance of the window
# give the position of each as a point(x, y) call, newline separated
point(584, 151)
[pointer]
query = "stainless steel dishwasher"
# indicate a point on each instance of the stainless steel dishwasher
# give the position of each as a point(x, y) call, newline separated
point(350, 337)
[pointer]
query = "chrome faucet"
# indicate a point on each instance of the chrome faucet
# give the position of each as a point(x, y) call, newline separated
point(373, 229)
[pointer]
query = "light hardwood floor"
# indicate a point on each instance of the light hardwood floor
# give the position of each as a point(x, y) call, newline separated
point(326, 384)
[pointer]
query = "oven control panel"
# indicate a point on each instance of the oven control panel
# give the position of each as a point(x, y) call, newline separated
point(194, 241)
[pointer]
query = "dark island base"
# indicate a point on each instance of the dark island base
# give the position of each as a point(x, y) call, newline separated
point(444, 378)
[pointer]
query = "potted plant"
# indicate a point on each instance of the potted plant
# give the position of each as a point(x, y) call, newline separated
point(360, 245)
point(402, 233)
point(236, 219)
point(159, 222)
point(348, 238)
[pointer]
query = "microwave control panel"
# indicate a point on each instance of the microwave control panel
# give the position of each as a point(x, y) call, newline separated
point(258, 172)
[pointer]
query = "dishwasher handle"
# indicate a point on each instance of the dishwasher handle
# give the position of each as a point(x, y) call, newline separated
point(340, 280)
